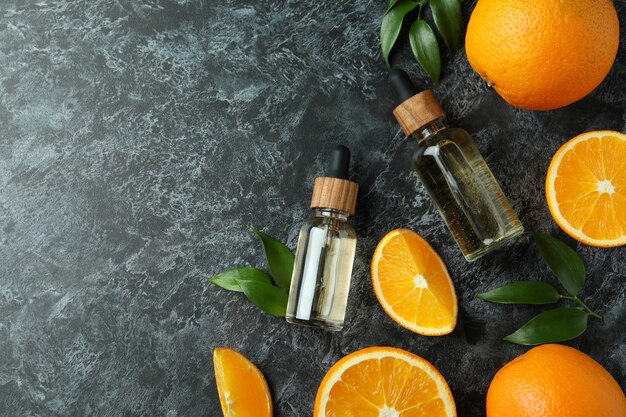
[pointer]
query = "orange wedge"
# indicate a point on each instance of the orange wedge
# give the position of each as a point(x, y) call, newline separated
point(412, 284)
point(242, 388)
point(383, 382)
point(586, 188)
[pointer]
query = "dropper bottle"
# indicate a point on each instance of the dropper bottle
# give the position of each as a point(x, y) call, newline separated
point(326, 247)
point(457, 178)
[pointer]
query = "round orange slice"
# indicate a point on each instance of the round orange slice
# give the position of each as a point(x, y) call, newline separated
point(241, 386)
point(383, 382)
point(586, 188)
point(412, 284)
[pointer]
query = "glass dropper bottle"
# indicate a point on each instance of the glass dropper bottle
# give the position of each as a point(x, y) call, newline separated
point(454, 173)
point(326, 247)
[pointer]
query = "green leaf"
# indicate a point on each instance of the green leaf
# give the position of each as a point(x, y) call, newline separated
point(267, 297)
point(447, 17)
point(562, 261)
point(228, 279)
point(522, 292)
point(279, 259)
point(425, 48)
point(551, 326)
point(392, 3)
point(392, 23)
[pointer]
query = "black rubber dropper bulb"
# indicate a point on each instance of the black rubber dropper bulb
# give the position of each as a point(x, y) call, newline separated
point(402, 85)
point(339, 162)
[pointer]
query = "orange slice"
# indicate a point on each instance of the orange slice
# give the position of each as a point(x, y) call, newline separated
point(242, 388)
point(383, 382)
point(586, 188)
point(412, 284)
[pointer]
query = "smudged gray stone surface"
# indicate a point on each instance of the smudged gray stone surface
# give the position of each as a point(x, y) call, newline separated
point(141, 140)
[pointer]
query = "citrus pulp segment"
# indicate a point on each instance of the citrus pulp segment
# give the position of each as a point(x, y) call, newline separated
point(241, 386)
point(586, 188)
point(412, 284)
point(383, 382)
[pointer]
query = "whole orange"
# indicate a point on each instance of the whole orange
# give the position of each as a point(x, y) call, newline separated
point(554, 381)
point(542, 54)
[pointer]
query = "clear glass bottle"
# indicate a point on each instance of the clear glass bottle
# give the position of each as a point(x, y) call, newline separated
point(456, 176)
point(322, 270)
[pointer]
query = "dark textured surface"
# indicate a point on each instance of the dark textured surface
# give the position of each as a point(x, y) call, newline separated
point(139, 143)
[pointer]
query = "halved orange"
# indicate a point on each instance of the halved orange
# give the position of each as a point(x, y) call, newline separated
point(383, 382)
point(586, 188)
point(412, 284)
point(241, 386)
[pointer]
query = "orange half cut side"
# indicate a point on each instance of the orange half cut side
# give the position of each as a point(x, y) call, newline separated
point(412, 284)
point(586, 188)
point(241, 386)
point(383, 382)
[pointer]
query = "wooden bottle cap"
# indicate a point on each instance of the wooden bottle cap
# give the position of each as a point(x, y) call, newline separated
point(418, 111)
point(334, 193)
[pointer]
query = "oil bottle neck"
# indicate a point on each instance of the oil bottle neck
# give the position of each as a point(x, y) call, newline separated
point(332, 213)
point(430, 130)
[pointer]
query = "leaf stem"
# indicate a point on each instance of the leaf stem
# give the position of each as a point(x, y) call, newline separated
point(583, 305)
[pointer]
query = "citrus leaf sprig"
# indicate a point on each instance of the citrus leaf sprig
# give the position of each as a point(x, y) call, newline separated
point(559, 324)
point(270, 295)
point(448, 21)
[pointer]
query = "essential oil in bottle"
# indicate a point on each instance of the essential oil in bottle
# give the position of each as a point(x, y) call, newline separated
point(326, 246)
point(454, 173)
